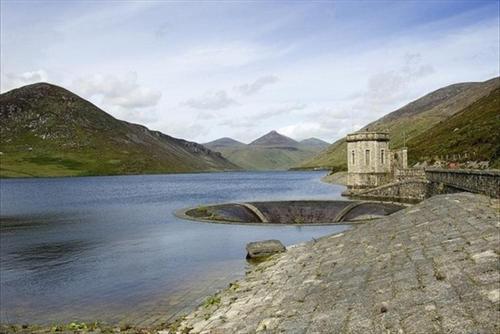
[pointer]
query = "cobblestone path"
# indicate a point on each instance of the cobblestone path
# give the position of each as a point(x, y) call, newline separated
point(431, 268)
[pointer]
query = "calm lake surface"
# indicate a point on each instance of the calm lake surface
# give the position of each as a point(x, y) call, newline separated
point(110, 248)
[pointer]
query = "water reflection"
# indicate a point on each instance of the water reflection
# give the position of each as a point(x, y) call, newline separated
point(10, 224)
point(47, 256)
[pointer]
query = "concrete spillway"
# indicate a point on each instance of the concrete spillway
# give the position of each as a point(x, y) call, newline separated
point(290, 212)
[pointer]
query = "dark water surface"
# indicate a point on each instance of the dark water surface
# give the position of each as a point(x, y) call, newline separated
point(109, 247)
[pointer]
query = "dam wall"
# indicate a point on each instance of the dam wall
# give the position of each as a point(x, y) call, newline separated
point(411, 191)
point(486, 182)
point(431, 268)
point(417, 185)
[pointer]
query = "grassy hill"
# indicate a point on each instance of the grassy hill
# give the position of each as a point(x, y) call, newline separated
point(48, 131)
point(475, 130)
point(272, 151)
point(412, 120)
point(314, 143)
point(223, 143)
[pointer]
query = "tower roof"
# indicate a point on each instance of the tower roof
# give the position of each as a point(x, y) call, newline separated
point(368, 136)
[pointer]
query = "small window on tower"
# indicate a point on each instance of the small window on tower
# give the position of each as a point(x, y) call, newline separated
point(367, 157)
point(382, 157)
point(352, 155)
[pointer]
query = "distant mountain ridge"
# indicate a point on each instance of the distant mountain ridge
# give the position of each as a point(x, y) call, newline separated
point(274, 139)
point(314, 142)
point(272, 151)
point(412, 120)
point(224, 142)
point(47, 130)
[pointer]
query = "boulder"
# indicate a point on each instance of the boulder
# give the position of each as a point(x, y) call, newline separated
point(264, 248)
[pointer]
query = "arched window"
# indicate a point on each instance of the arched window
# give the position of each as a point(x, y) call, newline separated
point(367, 157)
point(352, 157)
point(382, 157)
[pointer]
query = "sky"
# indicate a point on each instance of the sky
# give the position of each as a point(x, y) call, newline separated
point(211, 69)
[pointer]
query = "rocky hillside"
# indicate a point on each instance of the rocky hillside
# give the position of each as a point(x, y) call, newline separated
point(272, 151)
point(412, 120)
point(48, 131)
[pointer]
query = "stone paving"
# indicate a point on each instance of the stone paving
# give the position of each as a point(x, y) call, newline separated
point(431, 268)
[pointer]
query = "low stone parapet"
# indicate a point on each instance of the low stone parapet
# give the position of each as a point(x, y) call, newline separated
point(485, 182)
point(409, 173)
point(413, 185)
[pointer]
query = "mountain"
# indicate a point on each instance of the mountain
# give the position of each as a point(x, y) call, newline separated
point(274, 139)
point(473, 131)
point(47, 130)
point(412, 120)
point(314, 143)
point(272, 151)
point(222, 143)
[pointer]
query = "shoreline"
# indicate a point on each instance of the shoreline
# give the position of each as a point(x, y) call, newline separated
point(108, 315)
point(338, 178)
point(428, 268)
point(154, 174)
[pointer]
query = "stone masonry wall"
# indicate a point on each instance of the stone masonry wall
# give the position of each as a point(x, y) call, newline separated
point(432, 268)
point(416, 185)
point(399, 159)
point(408, 173)
point(413, 190)
point(454, 180)
point(368, 159)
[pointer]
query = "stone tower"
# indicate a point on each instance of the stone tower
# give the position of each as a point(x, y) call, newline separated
point(368, 160)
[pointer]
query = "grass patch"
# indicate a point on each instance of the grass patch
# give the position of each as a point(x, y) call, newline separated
point(51, 160)
point(474, 131)
point(211, 301)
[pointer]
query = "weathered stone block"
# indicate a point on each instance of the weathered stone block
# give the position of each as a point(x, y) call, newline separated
point(264, 248)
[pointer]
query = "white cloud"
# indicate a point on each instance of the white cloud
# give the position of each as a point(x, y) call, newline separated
point(283, 109)
point(386, 88)
point(324, 128)
point(253, 118)
point(13, 80)
point(211, 101)
point(124, 92)
point(333, 79)
point(189, 129)
point(257, 85)
point(217, 56)
point(302, 130)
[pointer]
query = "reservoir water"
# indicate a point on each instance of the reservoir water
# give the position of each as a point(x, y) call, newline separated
point(110, 248)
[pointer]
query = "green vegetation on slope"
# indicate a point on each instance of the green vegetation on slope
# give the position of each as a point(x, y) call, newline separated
point(264, 158)
point(48, 131)
point(333, 157)
point(272, 151)
point(411, 120)
point(474, 130)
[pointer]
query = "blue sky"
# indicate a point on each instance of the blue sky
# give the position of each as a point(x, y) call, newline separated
point(203, 70)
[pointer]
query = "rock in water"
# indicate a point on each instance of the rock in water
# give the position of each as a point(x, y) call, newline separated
point(264, 248)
